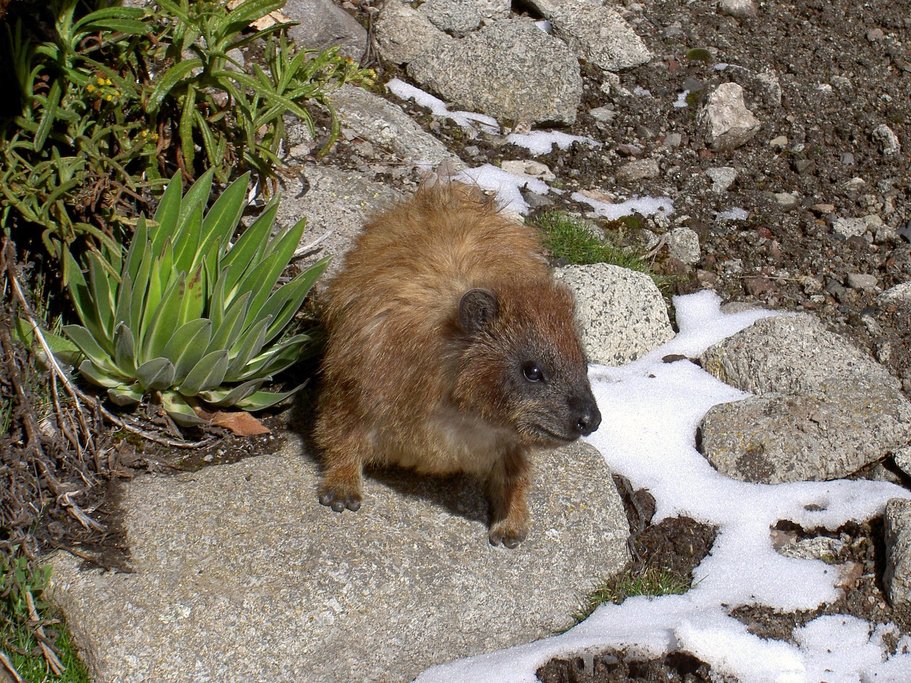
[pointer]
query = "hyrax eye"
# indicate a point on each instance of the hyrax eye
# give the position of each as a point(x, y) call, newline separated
point(532, 372)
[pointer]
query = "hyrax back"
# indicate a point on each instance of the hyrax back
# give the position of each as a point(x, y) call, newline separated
point(450, 349)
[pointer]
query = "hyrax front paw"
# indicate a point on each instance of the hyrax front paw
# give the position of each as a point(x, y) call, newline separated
point(507, 534)
point(338, 499)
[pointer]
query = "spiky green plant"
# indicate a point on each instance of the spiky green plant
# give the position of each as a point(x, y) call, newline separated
point(184, 316)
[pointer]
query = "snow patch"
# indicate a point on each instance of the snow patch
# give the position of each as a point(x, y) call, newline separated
point(543, 141)
point(465, 119)
point(642, 205)
point(507, 186)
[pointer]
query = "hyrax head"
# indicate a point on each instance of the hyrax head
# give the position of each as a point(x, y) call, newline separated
point(522, 365)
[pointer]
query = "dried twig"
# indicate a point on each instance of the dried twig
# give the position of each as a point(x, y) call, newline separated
point(10, 669)
point(50, 656)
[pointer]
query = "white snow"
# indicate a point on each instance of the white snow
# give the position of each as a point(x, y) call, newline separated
point(652, 410)
point(643, 205)
point(466, 119)
point(680, 102)
point(543, 141)
point(506, 186)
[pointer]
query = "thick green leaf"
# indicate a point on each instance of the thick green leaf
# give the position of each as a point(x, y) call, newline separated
point(224, 398)
point(262, 280)
point(124, 301)
point(186, 243)
point(275, 359)
point(187, 346)
point(193, 303)
point(287, 299)
point(138, 296)
point(156, 374)
point(107, 14)
point(248, 249)
point(99, 376)
point(222, 219)
point(195, 199)
point(125, 396)
point(124, 349)
point(169, 80)
point(87, 343)
point(165, 319)
point(138, 246)
point(247, 346)
point(62, 348)
point(246, 12)
point(180, 411)
point(128, 26)
point(49, 117)
point(167, 214)
point(266, 399)
point(206, 375)
point(161, 278)
point(225, 335)
point(81, 295)
point(103, 288)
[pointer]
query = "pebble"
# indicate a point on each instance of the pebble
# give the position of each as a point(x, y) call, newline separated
point(887, 139)
point(779, 142)
point(673, 140)
point(603, 114)
point(823, 209)
point(638, 170)
point(758, 285)
point(787, 200)
point(529, 167)
point(862, 281)
point(722, 177)
point(847, 159)
point(739, 9)
point(629, 150)
point(683, 244)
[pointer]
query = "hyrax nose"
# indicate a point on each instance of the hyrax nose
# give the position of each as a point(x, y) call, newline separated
point(587, 417)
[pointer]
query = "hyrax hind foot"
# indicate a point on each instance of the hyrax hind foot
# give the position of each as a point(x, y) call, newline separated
point(338, 499)
point(507, 534)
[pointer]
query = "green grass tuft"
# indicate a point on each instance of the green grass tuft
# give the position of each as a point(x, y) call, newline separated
point(650, 581)
point(568, 238)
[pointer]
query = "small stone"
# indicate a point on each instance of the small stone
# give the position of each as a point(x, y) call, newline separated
point(640, 169)
point(454, 16)
point(529, 167)
point(739, 9)
point(855, 184)
point(875, 34)
point(629, 150)
point(804, 166)
point(897, 576)
point(779, 143)
point(758, 285)
point(727, 122)
point(787, 200)
point(862, 281)
point(847, 159)
point(902, 459)
point(603, 114)
point(849, 227)
point(887, 139)
point(683, 244)
point(899, 294)
point(722, 177)
point(823, 209)
point(672, 140)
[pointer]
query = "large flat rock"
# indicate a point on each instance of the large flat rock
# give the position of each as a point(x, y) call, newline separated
point(240, 575)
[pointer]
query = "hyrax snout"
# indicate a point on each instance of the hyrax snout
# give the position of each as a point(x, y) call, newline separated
point(450, 349)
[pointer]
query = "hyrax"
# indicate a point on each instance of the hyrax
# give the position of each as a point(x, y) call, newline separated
point(450, 349)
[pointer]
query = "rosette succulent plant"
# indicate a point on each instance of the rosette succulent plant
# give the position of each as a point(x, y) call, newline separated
point(187, 317)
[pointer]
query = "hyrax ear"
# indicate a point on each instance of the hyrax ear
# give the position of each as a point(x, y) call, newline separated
point(477, 308)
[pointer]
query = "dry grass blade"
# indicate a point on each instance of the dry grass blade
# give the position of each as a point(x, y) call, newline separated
point(10, 669)
point(53, 661)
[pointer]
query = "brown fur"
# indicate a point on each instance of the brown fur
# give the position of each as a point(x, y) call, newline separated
point(440, 307)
